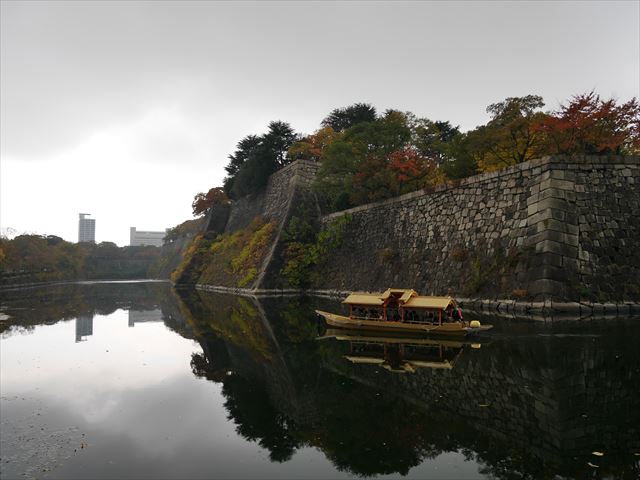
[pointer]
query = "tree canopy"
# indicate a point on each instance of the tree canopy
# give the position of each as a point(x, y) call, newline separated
point(366, 157)
point(202, 202)
point(341, 119)
point(256, 158)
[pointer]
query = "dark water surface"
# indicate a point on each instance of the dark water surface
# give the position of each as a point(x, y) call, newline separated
point(134, 380)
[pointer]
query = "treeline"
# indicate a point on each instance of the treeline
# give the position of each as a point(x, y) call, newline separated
point(42, 258)
point(367, 156)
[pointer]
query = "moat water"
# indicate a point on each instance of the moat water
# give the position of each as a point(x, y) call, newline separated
point(135, 380)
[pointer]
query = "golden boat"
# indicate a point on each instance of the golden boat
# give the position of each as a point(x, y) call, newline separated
point(403, 310)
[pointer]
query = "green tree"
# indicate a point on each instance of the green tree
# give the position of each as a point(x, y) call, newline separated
point(357, 166)
point(433, 139)
point(341, 119)
point(256, 158)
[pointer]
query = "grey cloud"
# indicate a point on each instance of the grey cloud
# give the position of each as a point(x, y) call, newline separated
point(71, 68)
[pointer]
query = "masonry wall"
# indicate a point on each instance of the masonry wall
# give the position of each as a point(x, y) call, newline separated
point(551, 229)
point(274, 202)
point(563, 228)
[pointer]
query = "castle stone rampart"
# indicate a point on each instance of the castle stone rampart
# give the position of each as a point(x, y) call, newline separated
point(552, 229)
point(563, 228)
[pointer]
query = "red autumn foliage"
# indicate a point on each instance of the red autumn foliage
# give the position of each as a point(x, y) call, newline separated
point(590, 125)
point(406, 164)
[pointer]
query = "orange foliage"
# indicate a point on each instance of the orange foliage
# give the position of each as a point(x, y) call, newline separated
point(203, 202)
point(312, 147)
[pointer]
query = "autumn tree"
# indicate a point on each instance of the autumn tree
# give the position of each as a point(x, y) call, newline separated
point(312, 147)
point(356, 168)
point(203, 202)
point(511, 136)
point(588, 124)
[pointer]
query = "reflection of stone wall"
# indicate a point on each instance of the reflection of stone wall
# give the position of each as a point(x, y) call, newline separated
point(556, 397)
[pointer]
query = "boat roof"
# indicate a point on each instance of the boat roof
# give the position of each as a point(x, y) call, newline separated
point(429, 302)
point(362, 298)
point(407, 298)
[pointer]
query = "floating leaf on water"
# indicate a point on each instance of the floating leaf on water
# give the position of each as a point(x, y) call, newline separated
point(597, 454)
point(593, 465)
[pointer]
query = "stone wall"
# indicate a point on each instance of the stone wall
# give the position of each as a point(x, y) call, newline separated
point(275, 200)
point(551, 229)
point(563, 228)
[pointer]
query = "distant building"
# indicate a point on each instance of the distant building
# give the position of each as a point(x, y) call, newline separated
point(86, 228)
point(138, 238)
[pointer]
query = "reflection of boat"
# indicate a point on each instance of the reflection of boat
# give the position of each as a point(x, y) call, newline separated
point(400, 310)
point(399, 354)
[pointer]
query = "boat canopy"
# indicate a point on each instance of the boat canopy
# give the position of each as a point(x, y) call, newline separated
point(429, 302)
point(360, 298)
point(406, 299)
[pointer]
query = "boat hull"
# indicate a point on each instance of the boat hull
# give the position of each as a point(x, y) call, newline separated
point(449, 329)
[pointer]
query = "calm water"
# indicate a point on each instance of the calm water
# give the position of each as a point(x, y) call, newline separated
point(132, 380)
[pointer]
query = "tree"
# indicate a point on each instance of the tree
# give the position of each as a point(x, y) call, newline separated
point(433, 139)
point(511, 136)
point(244, 148)
point(256, 158)
point(461, 162)
point(312, 147)
point(203, 202)
point(341, 119)
point(590, 125)
point(356, 166)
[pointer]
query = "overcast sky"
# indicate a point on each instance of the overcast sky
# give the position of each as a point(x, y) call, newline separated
point(127, 109)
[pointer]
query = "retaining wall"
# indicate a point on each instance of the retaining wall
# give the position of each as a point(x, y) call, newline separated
point(552, 229)
point(562, 228)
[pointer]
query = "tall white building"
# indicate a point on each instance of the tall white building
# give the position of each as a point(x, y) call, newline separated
point(138, 238)
point(86, 228)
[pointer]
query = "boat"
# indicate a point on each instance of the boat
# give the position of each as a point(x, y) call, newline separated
point(404, 311)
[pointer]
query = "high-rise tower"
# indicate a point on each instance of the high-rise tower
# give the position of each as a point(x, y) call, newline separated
point(86, 228)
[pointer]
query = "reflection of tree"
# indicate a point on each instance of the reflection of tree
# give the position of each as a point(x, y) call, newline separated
point(257, 420)
point(368, 432)
point(49, 304)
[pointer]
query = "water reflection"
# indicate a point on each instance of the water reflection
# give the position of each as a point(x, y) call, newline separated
point(401, 354)
point(84, 327)
point(141, 316)
point(533, 402)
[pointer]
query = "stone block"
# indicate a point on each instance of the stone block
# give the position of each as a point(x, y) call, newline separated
point(546, 287)
point(552, 193)
point(547, 214)
point(556, 247)
point(552, 203)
